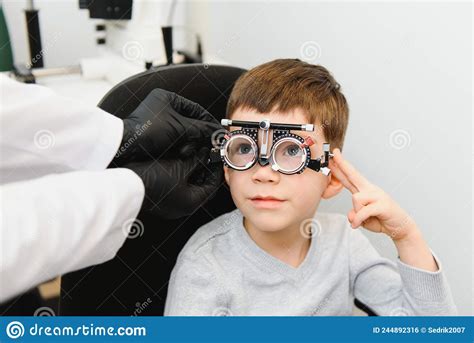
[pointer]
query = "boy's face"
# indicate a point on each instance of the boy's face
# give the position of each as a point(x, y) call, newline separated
point(297, 195)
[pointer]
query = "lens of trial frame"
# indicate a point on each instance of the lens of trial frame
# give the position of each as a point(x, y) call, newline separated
point(241, 151)
point(289, 155)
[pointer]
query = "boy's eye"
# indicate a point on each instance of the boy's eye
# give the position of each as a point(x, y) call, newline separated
point(293, 150)
point(244, 149)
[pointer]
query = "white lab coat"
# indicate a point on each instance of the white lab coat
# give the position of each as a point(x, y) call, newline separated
point(60, 210)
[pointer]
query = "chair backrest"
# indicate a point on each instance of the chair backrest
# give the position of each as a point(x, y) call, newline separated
point(135, 282)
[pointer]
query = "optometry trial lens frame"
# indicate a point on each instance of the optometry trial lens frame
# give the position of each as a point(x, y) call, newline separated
point(267, 155)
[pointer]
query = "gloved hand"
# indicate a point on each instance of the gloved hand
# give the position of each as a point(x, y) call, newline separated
point(177, 187)
point(161, 126)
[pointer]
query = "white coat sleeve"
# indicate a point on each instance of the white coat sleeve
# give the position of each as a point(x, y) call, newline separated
point(60, 223)
point(43, 132)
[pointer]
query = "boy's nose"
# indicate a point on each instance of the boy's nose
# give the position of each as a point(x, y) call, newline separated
point(265, 174)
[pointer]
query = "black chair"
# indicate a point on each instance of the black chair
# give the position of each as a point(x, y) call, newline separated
point(136, 280)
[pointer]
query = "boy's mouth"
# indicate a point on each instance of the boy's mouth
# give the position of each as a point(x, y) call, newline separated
point(269, 202)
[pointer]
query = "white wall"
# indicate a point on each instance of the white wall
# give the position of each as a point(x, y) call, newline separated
point(406, 71)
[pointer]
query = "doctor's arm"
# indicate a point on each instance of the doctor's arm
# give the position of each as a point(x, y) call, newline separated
point(60, 223)
point(43, 132)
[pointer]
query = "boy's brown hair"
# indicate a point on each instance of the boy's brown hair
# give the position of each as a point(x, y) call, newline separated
point(287, 84)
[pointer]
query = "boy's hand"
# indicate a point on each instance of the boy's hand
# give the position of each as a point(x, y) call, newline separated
point(377, 212)
point(374, 209)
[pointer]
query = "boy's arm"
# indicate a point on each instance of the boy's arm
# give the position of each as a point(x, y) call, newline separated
point(414, 251)
point(194, 288)
point(396, 289)
point(421, 279)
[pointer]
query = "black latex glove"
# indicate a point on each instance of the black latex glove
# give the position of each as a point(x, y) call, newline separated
point(162, 125)
point(177, 187)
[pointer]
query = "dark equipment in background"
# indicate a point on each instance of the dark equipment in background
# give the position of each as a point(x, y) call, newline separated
point(34, 35)
point(108, 9)
point(6, 55)
point(122, 10)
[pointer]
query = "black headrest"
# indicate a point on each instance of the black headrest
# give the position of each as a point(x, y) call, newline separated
point(136, 280)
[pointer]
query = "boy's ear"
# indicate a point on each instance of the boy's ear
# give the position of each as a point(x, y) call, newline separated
point(226, 174)
point(333, 188)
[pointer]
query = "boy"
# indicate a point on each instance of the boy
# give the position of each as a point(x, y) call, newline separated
point(274, 254)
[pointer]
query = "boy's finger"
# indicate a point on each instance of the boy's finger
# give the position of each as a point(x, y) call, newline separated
point(361, 199)
point(337, 172)
point(351, 215)
point(351, 173)
point(365, 213)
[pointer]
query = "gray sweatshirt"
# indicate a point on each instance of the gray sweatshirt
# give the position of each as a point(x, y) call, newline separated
point(222, 271)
